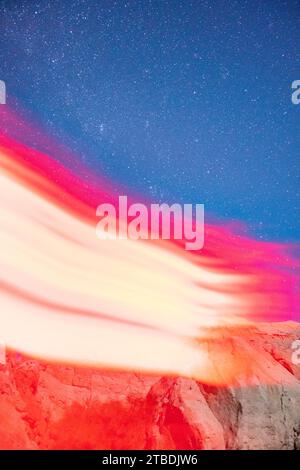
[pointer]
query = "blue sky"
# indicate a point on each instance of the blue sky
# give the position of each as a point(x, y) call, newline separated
point(186, 101)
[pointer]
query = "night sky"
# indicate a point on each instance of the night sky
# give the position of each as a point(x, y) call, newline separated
point(182, 101)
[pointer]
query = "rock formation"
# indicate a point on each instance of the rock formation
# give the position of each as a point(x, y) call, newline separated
point(49, 406)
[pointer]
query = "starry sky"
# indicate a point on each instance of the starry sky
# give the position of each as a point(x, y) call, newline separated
point(183, 101)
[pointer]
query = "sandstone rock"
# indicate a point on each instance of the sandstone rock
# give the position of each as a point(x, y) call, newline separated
point(48, 406)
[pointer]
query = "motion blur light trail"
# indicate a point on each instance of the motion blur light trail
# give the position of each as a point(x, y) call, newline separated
point(149, 306)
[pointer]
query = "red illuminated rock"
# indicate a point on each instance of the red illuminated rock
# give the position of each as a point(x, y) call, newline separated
point(46, 406)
